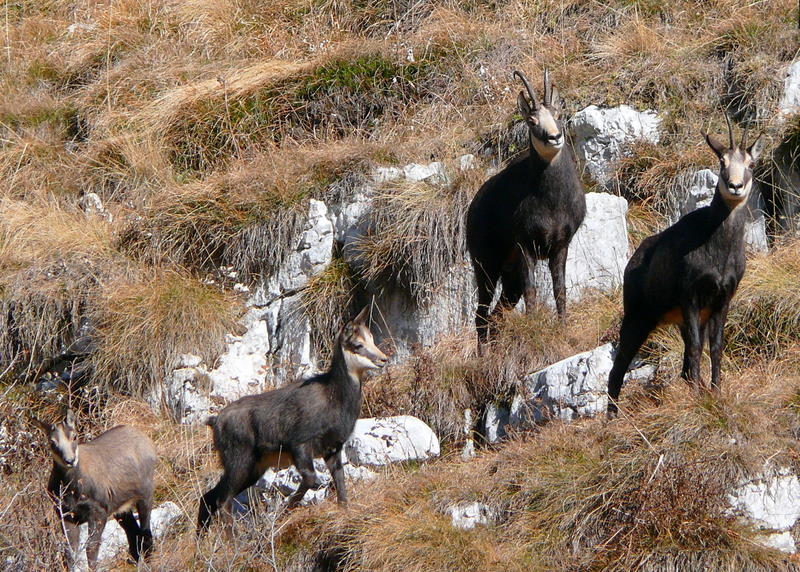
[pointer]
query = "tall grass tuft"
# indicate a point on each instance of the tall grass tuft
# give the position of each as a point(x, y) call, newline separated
point(146, 321)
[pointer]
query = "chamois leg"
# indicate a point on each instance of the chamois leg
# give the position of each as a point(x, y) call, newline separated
point(687, 357)
point(691, 333)
point(145, 543)
point(334, 462)
point(527, 268)
point(632, 335)
point(716, 341)
point(132, 531)
point(513, 285)
point(304, 463)
point(96, 526)
point(74, 538)
point(558, 270)
point(229, 485)
point(486, 284)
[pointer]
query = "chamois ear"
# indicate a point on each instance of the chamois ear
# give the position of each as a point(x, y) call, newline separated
point(523, 106)
point(362, 317)
point(716, 145)
point(757, 147)
point(45, 427)
point(555, 98)
point(69, 419)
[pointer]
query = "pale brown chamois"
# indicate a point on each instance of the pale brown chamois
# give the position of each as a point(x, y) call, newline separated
point(110, 475)
point(528, 211)
point(294, 424)
point(687, 274)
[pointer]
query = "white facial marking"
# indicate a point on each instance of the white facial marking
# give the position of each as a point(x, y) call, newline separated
point(735, 190)
point(550, 148)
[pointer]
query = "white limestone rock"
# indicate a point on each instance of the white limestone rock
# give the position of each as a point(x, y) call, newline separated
point(311, 255)
point(349, 218)
point(602, 134)
point(114, 542)
point(789, 103)
point(466, 162)
point(699, 194)
point(431, 172)
point(467, 516)
point(495, 421)
point(384, 440)
point(276, 343)
point(597, 254)
point(574, 387)
point(91, 204)
point(276, 486)
point(411, 322)
point(770, 502)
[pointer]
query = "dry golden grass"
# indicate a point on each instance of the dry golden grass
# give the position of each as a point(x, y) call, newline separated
point(648, 491)
point(145, 321)
point(216, 120)
point(437, 384)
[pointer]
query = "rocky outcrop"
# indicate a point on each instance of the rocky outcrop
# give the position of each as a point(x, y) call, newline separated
point(771, 503)
point(789, 103)
point(383, 440)
point(597, 254)
point(114, 542)
point(602, 134)
point(468, 515)
point(574, 387)
point(276, 343)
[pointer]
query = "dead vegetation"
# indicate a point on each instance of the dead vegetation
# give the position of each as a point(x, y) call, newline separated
point(207, 126)
point(646, 492)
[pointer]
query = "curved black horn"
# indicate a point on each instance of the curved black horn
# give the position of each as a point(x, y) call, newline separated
point(743, 145)
point(730, 131)
point(524, 80)
point(548, 93)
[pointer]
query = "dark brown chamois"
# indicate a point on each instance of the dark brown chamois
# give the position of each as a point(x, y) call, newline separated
point(89, 482)
point(294, 424)
point(687, 274)
point(528, 211)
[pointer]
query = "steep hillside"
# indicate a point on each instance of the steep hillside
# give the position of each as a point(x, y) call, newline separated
point(158, 163)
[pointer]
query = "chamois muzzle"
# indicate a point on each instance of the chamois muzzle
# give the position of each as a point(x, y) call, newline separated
point(735, 188)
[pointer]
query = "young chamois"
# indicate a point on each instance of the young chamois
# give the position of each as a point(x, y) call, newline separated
point(687, 274)
point(294, 424)
point(89, 482)
point(528, 211)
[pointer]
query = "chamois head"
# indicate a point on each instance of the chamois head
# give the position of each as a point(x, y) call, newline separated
point(546, 132)
point(63, 440)
point(735, 164)
point(360, 352)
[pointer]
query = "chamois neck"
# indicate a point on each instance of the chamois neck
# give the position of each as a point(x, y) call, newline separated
point(542, 153)
point(340, 373)
point(344, 386)
point(723, 209)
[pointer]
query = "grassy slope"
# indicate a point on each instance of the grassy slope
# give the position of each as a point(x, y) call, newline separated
point(205, 125)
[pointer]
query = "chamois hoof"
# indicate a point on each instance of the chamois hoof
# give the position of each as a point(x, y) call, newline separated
point(612, 412)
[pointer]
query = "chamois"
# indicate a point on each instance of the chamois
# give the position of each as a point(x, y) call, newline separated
point(90, 481)
point(687, 274)
point(293, 424)
point(528, 211)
